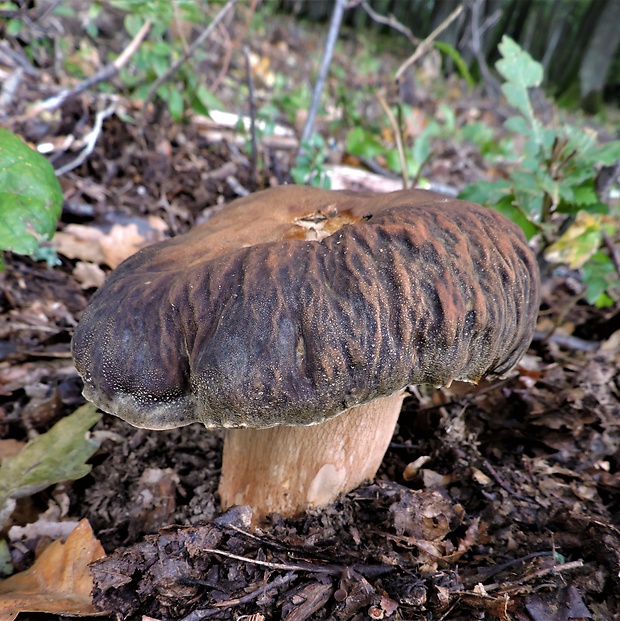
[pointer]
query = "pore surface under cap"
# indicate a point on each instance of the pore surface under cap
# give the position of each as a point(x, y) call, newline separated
point(295, 304)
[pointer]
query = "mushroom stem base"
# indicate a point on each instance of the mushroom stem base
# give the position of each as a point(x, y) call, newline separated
point(287, 470)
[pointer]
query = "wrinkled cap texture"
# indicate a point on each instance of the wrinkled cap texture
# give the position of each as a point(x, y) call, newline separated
point(294, 304)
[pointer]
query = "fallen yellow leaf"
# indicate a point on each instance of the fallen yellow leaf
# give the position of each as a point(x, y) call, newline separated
point(59, 582)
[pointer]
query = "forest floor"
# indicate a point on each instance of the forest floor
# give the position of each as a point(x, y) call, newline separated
point(500, 501)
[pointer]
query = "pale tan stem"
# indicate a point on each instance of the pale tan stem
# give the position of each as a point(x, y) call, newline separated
point(287, 470)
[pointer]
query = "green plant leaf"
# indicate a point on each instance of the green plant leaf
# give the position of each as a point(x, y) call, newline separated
point(599, 274)
point(607, 154)
point(361, 143)
point(457, 59)
point(517, 66)
point(30, 196)
point(521, 72)
point(176, 105)
point(486, 193)
point(55, 456)
point(579, 242)
point(514, 213)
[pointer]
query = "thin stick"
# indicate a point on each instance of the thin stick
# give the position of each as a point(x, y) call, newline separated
point(103, 75)
point(545, 571)
point(398, 137)
point(334, 571)
point(328, 52)
point(202, 37)
point(275, 583)
point(252, 106)
point(91, 140)
point(476, 45)
point(427, 43)
point(612, 250)
point(390, 21)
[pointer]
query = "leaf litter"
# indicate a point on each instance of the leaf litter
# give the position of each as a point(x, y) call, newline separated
point(500, 501)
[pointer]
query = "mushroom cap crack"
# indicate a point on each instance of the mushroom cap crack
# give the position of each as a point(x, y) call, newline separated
point(409, 288)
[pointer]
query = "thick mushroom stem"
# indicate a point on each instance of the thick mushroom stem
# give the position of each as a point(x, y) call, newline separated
point(289, 469)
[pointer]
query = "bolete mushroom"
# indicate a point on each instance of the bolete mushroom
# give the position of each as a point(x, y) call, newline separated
point(295, 317)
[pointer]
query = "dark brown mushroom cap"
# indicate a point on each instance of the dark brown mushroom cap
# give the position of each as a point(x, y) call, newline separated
point(294, 304)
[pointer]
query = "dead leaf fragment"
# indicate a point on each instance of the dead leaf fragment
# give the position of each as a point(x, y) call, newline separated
point(59, 582)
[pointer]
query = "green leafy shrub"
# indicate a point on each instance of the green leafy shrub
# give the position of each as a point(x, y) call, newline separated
point(161, 50)
point(365, 142)
point(310, 166)
point(30, 197)
point(550, 189)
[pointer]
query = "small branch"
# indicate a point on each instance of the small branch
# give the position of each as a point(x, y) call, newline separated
point(425, 46)
point(477, 33)
point(274, 584)
point(331, 570)
point(252, 106)
point(505, 485)
point(503, 588)
point(199, 614)
point(91, 140)
point(103, 75)
point(611, 247)
point(202, 37)
point(9, 89)
point(566, 340)
point(390, 21)
point(328, 52)
point(398, 137)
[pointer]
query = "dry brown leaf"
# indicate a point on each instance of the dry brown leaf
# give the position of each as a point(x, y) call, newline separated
point(59, 582)
point(89, 275)
point(109, 246)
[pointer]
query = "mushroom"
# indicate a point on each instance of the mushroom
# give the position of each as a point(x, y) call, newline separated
point(295, 318)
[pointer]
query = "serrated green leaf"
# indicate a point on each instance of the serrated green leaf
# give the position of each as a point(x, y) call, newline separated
point(30, 196)
point(521, 73)
point(55, 456)
point(486, 193)
point(517, 66)
point(585, 195)
point(607, 154)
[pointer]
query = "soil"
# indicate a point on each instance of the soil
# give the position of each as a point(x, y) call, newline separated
point(499, 501)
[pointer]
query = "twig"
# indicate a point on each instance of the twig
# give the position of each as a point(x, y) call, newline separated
point(566, 340)
point(196, 615)
point(484, 573)
point(19, 58)
point(228, 46)
point(202, 37)
point(476, 39)
point(91, 140)
point(277, 582)
point(108, 72)
point(606, 179)
point(609, 242)
point(505, 485)
point(503, 588)
point(9, 88)
point(390, 21)
point(427, 43)
point(398, 137)
point(331, 570)
point(252, 106)
point(328, 52)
